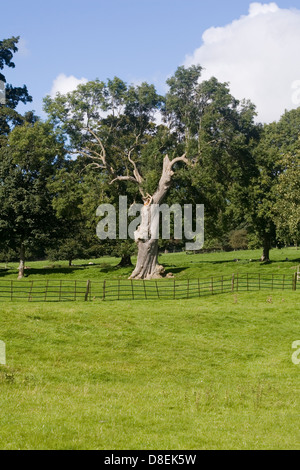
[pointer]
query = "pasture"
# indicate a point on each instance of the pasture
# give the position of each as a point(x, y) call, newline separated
point(205, 373)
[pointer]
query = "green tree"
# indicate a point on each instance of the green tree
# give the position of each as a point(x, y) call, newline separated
point(259, 197)
point(286, 209)
point(29, 160)
point(11, 95)
point(219, 134)
point(112, 124)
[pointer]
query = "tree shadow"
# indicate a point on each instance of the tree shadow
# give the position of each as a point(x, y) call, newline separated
point(174, 270)
point(40, 271)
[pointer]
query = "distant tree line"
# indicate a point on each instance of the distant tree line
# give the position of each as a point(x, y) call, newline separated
point(197, 144)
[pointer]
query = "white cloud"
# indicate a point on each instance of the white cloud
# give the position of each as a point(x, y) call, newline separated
point(63, 84)
point(258, 54)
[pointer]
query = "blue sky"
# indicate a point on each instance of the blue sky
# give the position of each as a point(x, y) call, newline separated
point(139, 40)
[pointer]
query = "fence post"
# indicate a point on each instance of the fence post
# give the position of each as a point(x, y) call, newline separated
point(232, 283)
point(104, 283)
point(295, 281)
point(157, 289)
point(87, 290)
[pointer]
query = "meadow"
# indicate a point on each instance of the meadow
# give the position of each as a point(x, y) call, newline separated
point(209, 373)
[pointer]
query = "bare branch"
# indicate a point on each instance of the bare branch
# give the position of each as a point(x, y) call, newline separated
point(94, 164)
point(103, 155)
point(136, 173)
point(91, 156)
point(179, 159)
point(124, 178)
point(166, 177)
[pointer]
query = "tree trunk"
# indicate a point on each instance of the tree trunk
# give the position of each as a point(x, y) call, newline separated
point(146, 236)
point(147, 266)
point(125, 261)
point(22, 262)
point(266, 250)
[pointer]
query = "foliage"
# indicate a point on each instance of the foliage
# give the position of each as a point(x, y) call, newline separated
point(30, 158)
point(9, 117)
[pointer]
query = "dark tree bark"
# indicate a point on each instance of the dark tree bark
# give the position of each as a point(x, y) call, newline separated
point(266, 249)
point(125, 261)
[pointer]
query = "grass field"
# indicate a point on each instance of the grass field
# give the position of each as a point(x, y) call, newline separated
point(183, 266)
point(209, 373)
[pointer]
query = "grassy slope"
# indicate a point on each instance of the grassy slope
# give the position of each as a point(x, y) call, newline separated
point(214, 373)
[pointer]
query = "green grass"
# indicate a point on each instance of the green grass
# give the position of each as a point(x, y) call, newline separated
point(208, 373)
point(214, 373)
point(182, 266)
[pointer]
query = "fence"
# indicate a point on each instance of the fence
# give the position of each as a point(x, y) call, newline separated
point(167, 289)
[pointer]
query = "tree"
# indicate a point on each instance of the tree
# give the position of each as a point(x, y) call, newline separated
point(30, 158)
point(117, 143)
point(259, 196)
point(9, 117)
point(286, 209)
point(204, 128)
point(219, 134)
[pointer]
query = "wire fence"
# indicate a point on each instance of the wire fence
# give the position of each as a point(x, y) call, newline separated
point(167, 289)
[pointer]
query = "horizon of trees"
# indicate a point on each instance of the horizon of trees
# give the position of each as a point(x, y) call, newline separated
point(103, 140)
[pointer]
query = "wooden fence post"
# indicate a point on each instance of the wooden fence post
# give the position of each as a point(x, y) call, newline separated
point(104, 284)
point(232, 283)
point(295, 281)
point(157, 291)
point(87, 290)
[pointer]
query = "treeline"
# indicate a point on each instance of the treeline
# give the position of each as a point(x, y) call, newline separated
point(109, 138)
